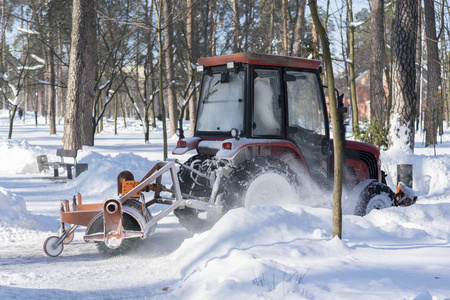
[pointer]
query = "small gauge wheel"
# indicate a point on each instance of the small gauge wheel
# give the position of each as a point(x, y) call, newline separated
point(50, 247)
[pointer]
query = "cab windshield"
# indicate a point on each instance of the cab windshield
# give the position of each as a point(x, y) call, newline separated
point(221, 104)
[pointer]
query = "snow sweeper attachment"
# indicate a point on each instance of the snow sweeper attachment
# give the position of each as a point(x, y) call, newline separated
point(117, 224)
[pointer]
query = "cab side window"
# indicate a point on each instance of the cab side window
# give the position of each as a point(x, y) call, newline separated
point(304, 102)
point(267, 112)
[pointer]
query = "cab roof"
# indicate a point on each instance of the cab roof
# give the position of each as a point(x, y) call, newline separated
point(261, 60)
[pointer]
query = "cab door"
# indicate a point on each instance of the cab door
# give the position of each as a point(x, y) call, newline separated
point(307, 122)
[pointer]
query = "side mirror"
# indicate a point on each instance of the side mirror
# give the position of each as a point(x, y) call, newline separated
point(180, 133)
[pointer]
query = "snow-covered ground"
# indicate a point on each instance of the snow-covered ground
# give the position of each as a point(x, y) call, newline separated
point(257, 253)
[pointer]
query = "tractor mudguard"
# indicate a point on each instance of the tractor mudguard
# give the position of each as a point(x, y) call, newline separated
point(185, 145)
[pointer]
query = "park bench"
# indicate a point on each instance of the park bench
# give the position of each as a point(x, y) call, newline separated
point(44, 164)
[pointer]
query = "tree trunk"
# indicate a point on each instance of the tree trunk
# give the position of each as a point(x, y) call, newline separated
point(116, 112)
point(432, 106)
point(337, 138)
point(160, 77)
point(351, 66)
point(401, 133)
point(377, 94)
point(191, 60)
point(42, 106)
point(343, 48)
point(271, 28)
point(11, 121)
point(388, 68)
point(78, 123)
point(152, 104)
point(442, 89)
point(209, 30)
point(168, 34)
point(122, 110)
point(315, 41)
point(205, 19)
point(300, 29)
point(213, 14)
point(3, 45)
point(445, 84)
point(419, 64)
point(149, 83)
point(43, 93)
point(285, 31)
point(51, 91)
point(51, 79)
point(59, 75)
point(236, 27)
point(245, 31)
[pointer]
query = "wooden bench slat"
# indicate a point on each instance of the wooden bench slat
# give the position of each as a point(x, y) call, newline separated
point(66, 153)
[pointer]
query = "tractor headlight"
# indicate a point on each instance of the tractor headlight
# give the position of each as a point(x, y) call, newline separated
point(236, 133)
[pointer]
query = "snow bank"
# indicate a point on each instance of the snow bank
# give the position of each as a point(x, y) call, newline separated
point(288, 253)
point(13, 209)
point(256, 251)
point(419, 221)
point(17, 157)
point(257, 226)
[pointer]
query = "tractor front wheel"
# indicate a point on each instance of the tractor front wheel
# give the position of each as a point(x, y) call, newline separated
point(375, 196)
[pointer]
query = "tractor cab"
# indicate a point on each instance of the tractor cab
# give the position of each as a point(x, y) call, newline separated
point(267, 98)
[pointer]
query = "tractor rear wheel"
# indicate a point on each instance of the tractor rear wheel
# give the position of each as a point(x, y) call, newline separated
point(375, 196)
point(194, 185)
point(261, 181)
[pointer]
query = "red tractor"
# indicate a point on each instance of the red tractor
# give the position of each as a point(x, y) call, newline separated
point(263, 137)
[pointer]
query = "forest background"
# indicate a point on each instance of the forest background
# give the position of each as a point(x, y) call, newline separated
point(131, 50)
